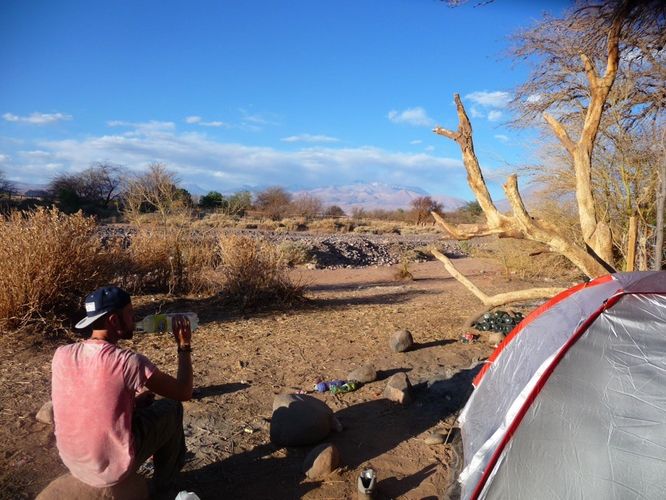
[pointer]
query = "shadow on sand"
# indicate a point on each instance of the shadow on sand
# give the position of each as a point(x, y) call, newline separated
point(371, 429)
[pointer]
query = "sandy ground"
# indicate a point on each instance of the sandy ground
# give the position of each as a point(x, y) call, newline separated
point(242, 361)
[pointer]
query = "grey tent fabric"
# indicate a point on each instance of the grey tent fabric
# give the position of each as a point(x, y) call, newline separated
point(595, 365)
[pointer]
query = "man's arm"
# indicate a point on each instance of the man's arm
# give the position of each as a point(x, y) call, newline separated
point(179, 388)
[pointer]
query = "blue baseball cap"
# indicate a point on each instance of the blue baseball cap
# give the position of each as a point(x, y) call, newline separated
point(102, 301)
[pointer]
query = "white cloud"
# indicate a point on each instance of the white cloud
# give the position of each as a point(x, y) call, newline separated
point(197, 120)
point(502, 138)
point(533, 98)
point(197, 158)
point(254, 121)
point(310, 138)
point(495, 99)
point(416, 141)
point(37, 118)
point(412, 116)
point(475, 113)
point(430, 148)
point(4, 158)
point(213, 124)
point(494, 115)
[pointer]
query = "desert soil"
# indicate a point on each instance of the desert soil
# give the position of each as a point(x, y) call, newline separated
point(242, 361)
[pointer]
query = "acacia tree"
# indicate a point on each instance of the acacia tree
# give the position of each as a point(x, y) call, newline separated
point(7, 188)
point(598, 83)
point(96, 186)
point(273, 201)
point(596, 257)
point(156, 190)
point(422, 206)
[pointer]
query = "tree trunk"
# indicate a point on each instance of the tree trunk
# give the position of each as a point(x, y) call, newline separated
point(596, 233)
point(661, 199)
point(631, 244)
point(501, 298)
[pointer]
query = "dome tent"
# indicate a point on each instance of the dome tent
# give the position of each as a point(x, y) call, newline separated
point(572, 404)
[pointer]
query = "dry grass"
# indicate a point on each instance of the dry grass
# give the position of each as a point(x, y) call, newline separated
point(48, 261)
point(524, 259)
point(169, 259)
point(294, 253)
point(254, 272)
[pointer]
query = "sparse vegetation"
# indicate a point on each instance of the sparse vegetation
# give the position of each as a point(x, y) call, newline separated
point(47, 260)
point(254, 273)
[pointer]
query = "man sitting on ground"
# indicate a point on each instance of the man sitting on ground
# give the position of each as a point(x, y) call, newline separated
point(104, 432)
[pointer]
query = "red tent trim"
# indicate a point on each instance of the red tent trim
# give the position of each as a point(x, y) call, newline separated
point(531, 317)
point(539, 386)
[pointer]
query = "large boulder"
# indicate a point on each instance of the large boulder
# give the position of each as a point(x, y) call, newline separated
point(67, 486)
point(300, 420)
point(321, 461)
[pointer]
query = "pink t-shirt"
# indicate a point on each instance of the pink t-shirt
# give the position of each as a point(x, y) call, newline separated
point(93, 388)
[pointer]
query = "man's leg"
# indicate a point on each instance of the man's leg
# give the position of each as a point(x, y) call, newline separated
point(158, 431)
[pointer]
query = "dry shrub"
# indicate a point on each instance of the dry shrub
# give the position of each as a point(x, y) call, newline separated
point(170, 259)
point(254, 273)
point(215, 220)
point(329, 225)
point(48, 262)
point(526, 259)
point(403, 273)
point(294, 253)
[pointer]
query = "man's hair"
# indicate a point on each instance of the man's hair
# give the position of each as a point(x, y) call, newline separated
point(100, 323)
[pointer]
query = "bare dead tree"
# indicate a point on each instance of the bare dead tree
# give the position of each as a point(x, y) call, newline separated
point(153, 191)
point(519, 225)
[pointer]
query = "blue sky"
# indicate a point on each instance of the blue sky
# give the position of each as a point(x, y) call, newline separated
point(232, 94)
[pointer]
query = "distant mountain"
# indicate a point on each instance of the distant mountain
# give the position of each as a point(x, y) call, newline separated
point(376, 195)
point(24, 187)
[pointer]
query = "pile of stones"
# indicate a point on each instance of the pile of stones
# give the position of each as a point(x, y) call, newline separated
point(498, 321)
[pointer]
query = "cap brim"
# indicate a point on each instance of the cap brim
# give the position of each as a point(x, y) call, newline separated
point(89, 320)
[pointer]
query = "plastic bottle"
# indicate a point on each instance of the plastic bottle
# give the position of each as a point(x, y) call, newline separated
point(162, 323)
point(187, 495)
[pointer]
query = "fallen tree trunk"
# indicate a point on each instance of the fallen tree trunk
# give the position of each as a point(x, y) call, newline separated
point(491, 301)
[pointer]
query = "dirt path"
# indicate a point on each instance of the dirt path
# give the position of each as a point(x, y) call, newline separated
point(242, 362)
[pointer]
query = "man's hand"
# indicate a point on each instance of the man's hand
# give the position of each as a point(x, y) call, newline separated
point(182, 332)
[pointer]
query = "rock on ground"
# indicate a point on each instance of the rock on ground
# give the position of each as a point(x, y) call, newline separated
point(399, 389)
point(321, 461)
point(45, 413)
point(300, 420)
point(495, 338)
point(363, 374)
point(401, 341)
point(434, 438)
point(67, 486)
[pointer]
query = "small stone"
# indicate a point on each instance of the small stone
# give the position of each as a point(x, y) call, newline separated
point(363, 374)
point(45, 413)
point(495, 338)
point(401, 341)
point(321, 461)
point(434, 438)
point(398, 389)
